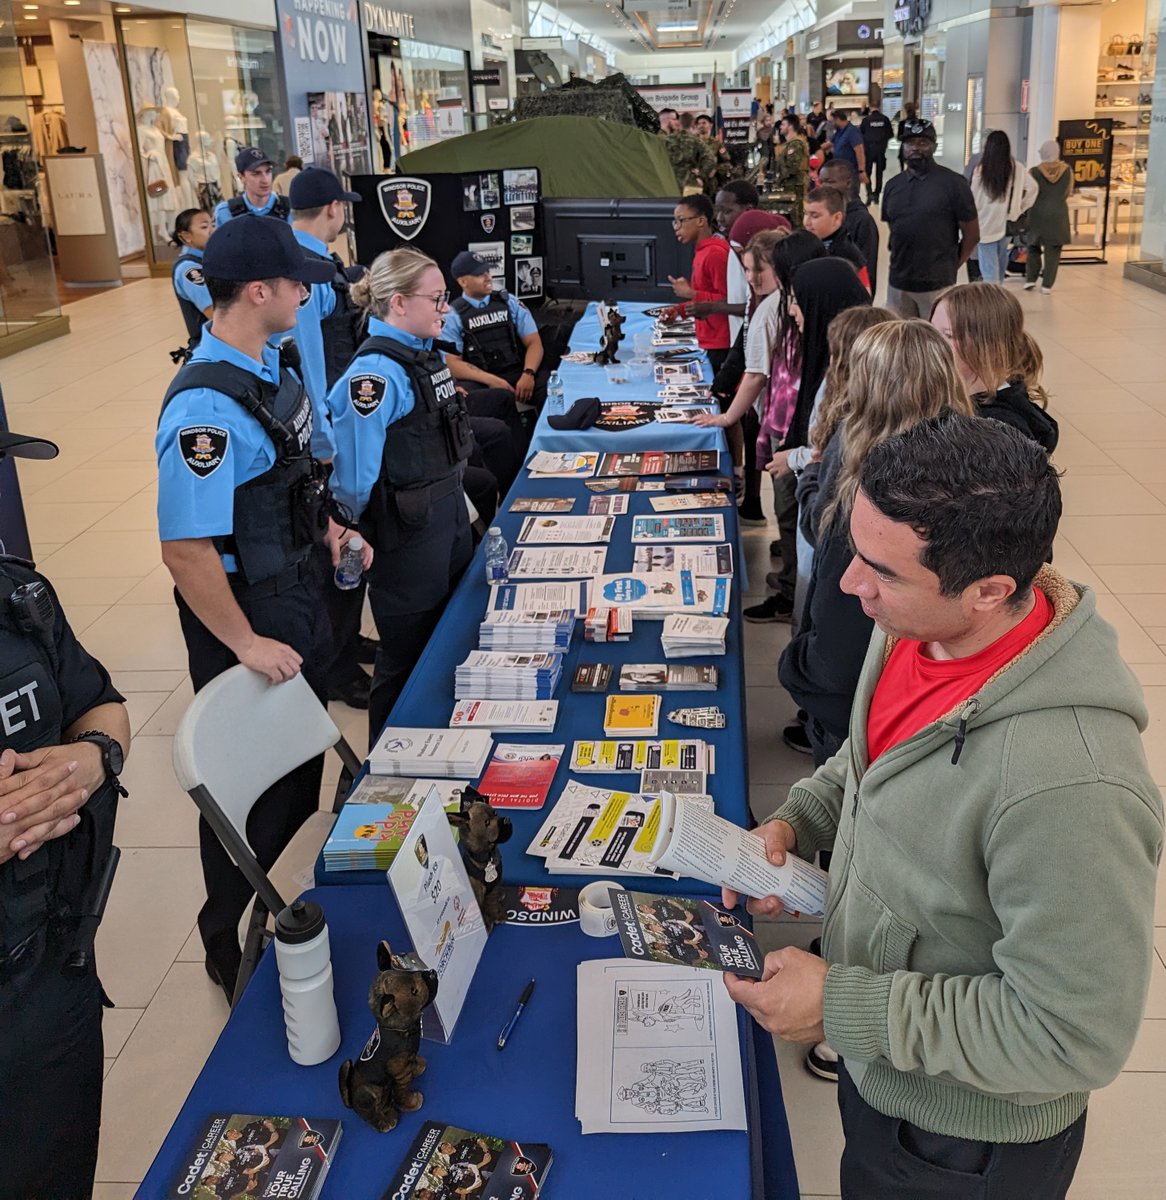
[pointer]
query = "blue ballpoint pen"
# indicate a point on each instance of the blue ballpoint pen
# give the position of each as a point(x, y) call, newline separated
point(527, 992)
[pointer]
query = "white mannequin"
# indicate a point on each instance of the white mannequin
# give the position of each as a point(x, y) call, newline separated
point(155, 167)
point(205, 175)
point(175, 129)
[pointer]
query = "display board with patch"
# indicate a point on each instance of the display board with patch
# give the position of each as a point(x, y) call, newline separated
point(365, 392)
point(203, 448)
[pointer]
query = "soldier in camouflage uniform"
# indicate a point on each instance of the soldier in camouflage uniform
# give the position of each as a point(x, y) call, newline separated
point(693, 161)
point(791, 165)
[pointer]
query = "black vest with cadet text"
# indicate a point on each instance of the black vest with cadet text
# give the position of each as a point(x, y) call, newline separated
point(237, 206)
point(490, 336)
point(434, 439)
point(274, 525)
point(341, 329)
point(191, 313)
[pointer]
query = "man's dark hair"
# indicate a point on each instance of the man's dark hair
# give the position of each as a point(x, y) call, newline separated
point(743, 192)
point(307, 214)
point(687, 120)
point(699, 205)
point(985, 498)
point(831, 197)
point(293, 161)
point(794, 121)
point(840, 114)
point(664, 112)
point(224, 292)
point(840, 164)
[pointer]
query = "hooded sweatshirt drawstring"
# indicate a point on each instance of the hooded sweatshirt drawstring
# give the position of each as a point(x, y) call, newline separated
point(961, 734)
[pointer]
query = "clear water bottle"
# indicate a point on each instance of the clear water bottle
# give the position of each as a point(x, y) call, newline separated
point(304, 958)
point(351, 566)
point(556, 398)
point(497, 556)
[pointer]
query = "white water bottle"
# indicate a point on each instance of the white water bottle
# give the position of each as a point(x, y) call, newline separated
point(351, 566)
point(304, 958)
point(497, 556)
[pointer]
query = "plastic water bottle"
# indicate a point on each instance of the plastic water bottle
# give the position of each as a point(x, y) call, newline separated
point(497, 556)
point(304, 958)
point(351, 565)
point(556, 399)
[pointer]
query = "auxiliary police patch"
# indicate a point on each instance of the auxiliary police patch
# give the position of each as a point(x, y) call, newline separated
point(194, 275)
point(203, 448)
point(366, 393)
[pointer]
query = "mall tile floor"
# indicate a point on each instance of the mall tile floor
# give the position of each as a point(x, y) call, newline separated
point(91, 515)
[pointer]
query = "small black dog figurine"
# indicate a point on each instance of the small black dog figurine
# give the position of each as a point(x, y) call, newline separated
point(482, 832)
point(379, 1085)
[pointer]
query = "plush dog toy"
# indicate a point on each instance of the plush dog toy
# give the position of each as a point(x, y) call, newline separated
point(379, 1085)
point(482, 832)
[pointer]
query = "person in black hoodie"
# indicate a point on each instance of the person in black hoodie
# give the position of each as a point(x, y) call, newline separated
point(824, 218)
point(998, 360)
point(901, 372)
point(860, 226)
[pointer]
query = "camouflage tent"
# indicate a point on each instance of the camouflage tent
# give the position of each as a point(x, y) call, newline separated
point(576, 156)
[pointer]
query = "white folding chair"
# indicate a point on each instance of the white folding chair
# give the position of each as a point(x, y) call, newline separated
point(238, 737)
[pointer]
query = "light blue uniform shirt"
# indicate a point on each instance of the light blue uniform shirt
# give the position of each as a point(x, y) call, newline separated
point(451, 331)
point(320, 303)
point(371, 395)
point(208, 445)
point(188, 280)
point(223, 213)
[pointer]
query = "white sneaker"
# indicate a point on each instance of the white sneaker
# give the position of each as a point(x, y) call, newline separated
point(1046, 291)
point(822, 1061)
point(1029, 286)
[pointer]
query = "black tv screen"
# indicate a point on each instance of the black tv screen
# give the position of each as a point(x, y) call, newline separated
point(621, 249)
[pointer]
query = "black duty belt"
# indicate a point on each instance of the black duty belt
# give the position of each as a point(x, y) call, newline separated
point(285, 581)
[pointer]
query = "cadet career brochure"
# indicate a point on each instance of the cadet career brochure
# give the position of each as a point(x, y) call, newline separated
point(260, 1156)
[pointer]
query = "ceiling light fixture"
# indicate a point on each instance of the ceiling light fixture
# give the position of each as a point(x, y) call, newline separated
point(72, 3)
point(677, 26)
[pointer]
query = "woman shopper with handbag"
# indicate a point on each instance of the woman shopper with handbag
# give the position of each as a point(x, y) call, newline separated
point(1048, 219)
point(1003, 190)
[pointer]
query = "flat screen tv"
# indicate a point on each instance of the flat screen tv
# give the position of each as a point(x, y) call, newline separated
point(622, 249)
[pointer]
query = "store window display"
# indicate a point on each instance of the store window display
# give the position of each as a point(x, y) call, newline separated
point(175, 128)
point(157, 181)
point(204, 173)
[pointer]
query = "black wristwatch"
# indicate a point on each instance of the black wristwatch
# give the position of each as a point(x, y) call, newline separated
point(113, 757)
point(528, 371)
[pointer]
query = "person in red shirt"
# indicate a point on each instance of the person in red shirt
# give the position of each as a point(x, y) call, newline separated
point(694, 222)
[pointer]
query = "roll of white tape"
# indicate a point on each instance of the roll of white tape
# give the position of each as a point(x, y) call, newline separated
point(595, 914)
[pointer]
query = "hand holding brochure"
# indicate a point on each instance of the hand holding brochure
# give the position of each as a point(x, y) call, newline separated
point(693, 842)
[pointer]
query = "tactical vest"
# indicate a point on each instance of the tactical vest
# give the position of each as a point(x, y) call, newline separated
point(281, 209)
point(279, 516)
point(491, 341)
point(340, 330)
point(191, 313)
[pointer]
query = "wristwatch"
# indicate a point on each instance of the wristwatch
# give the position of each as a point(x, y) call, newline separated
point(528, 371)
point(112, 755)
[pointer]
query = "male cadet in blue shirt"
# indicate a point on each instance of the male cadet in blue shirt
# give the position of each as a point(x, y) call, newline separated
point(256, 171)
point(494, 341)
point(242, 507)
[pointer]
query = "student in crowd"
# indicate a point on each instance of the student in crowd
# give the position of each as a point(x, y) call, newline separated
point(1006, 826)
point(1002, 190)
point(402, 441)
point(932, 218)
point(825, 217)
point(998, 359)
point(693, 220)
point(846, 146)
point(860, 226)
point(192, 230)
point(292, 166)
point(876, 134)
point(1048, 219)
point(254, 169)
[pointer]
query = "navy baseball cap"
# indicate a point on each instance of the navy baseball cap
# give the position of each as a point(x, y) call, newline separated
point(250, 157)
point(20, 445)
point(468, 263)
point(251, 247)
point(314, 187)
point(917, 127)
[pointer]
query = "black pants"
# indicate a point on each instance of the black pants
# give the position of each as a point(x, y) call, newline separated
point(538, 397)
point(717, 359)
point(51, 1069)
point(499, 405)
point(408, 595)
point(785, 509)
point(823, 744)
point(298, 617)
point(750, 427)
point(887, 1157)
point(345, 610)
point(876, 166)
point(496, 450)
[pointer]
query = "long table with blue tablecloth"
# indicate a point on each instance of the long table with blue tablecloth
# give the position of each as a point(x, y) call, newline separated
point(590, 379)
point(526, 1092)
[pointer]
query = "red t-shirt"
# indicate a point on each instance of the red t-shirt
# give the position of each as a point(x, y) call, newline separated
point(710, 282)
point(915, 690)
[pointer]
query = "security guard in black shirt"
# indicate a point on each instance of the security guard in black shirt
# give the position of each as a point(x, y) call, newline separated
point(242, 508)
point(63, 733)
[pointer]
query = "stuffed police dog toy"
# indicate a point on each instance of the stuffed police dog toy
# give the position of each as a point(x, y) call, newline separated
point(482, 832)
point(379, 1085)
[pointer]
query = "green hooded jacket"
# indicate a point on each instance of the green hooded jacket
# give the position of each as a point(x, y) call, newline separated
point(990, 920)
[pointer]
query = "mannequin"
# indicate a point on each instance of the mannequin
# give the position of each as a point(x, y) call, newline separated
point(175, 129)
point(205, 176)
point(382, 150)
point(396, 109)
point(155, 171)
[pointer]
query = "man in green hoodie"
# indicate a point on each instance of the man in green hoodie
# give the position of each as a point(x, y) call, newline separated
point(988, 937)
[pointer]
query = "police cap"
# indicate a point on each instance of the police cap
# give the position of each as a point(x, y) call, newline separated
point(314, 187)
point(468, 263)
point(20, 445)
point(249, 158)
point(251, 247)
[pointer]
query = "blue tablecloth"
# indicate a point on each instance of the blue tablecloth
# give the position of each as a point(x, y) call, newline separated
point(587, 379)
point(525, 1092)
point(428, 698)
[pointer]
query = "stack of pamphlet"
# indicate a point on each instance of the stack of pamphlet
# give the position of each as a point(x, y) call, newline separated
point(673, 754)
point(631, 716)
point(687, 635)
point(607, 625)
point(639, 677)
point(509, 716)
point(656, 594)
point(515, 629)
point(492, 675)
point(571, 531)
point(425, 753)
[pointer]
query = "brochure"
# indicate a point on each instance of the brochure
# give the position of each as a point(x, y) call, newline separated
point(660, 462)
point(575, 531)
point(591, 677)
point(520, 776)
point(439, 753)
point(631, 716)
point(546, 464)
point(542, 504)
point(612, 505)
point(536, 597)
point(682, 501)
point(678, 529)
point(665, 678)
point(684, 754)
point(506, 716)
point(567, 562)
point(660, 593)
point(712, 561)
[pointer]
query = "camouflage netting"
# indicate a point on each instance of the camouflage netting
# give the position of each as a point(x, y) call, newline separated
point(612, 99)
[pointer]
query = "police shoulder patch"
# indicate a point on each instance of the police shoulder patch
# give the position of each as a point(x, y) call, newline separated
point(203, 448)
point(194, 275)
point(366, 393)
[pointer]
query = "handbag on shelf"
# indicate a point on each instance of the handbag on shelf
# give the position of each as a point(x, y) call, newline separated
point(1117, 46)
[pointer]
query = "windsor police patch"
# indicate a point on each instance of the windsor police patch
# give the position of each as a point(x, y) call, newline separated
point(194, 275)
point(366, 393)
point(203, 448)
